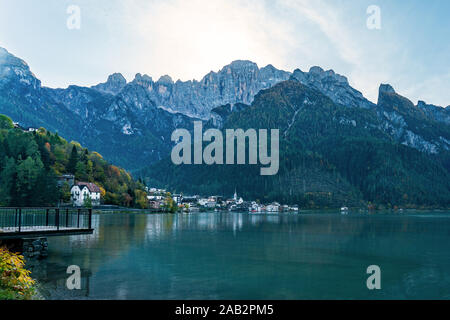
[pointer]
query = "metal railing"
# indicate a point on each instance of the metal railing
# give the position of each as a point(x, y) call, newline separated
point(41, 219)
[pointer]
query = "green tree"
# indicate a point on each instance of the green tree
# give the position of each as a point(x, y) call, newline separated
point(6, 122)
point(65, 192)
point(87, 202)
point(80, 172)
point(29, 171)
point(90, 171)
point(73, 161)
point(141, 199)
point(169, 203)
point(7, 178)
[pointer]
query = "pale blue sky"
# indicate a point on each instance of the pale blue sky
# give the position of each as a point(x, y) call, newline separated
point(187, 39)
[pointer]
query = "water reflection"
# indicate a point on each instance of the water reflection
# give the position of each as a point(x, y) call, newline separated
point(252, 256)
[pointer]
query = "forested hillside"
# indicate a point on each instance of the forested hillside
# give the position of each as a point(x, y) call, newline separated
point(330, 155)
point(30, 163)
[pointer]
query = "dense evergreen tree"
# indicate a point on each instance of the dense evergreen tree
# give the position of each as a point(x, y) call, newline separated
point(73, 160)
point(6, 122)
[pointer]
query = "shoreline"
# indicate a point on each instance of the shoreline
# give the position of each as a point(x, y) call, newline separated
point(304, 211)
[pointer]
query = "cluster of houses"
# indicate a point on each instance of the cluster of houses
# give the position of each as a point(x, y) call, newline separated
point(25, 129)
point(81, 193)
point(158, 198)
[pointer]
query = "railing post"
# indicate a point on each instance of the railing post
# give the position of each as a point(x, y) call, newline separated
point(67, 217)
point(46, 217)
point(57, 219)
point(90, 218)
point(20, 219)
point(15, 219)
point(78, 218)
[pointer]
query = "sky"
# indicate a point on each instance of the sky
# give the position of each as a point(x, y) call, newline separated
point(186, 39)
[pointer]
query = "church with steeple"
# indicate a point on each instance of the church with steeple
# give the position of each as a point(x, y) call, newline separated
point(236, 199)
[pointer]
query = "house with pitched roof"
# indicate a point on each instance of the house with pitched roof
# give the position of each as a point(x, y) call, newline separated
point(81, 191)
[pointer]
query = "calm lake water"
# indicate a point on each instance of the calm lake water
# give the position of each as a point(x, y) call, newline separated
point(253, 256)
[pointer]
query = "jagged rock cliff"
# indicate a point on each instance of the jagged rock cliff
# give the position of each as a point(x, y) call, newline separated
point(238, 82)
point(411, 125)
point(334, 86)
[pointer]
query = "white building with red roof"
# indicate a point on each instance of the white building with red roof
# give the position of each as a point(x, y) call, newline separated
point(81, 191)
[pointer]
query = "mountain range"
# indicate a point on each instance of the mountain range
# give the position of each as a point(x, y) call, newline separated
point(330, 154)
point(130, 123)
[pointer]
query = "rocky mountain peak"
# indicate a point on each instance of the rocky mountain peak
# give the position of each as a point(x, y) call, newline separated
point(242, 64)
point(384, 91)
point(270, 73)
point(15, 69)
point(7, 59)
point(299, 75)
point(165, 79)
point(436, 113)
point(142, 80)
point(424, 105)
point(421, 104)
point(117, 78)
point(392, 103)
point(113, 85)
point(386, 88)
point(333, 85)
point(316, 70)
point(319, 73)
point(270, 67)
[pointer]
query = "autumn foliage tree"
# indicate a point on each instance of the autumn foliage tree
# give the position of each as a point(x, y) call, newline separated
point(15, 280)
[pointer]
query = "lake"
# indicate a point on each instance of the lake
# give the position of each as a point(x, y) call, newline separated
point(229, 255)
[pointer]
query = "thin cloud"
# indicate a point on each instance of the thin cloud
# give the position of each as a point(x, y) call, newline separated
point(187, 39)
point(329, 22)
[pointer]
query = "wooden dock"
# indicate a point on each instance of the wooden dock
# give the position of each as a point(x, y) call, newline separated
point(21, 223)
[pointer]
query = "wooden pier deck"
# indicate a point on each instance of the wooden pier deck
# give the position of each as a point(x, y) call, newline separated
point(20, 223)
